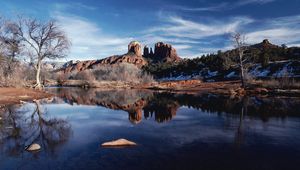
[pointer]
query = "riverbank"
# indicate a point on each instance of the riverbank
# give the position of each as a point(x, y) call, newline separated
point(231, 88)
point(185, 86)
point(17, 95)
point(228, 88)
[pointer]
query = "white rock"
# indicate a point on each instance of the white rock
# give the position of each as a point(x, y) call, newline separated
point(33, 147)
point(119, 142)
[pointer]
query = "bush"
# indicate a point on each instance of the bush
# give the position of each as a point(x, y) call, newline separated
point(85, 75)
point(14, 76)
point(119, 72)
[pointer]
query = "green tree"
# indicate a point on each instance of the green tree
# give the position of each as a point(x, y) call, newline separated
point(265, 58)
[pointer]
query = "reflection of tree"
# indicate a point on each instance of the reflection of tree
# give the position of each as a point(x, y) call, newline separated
point(10, 132)
point(20, 128)
point(49, 132)
point(239, 135)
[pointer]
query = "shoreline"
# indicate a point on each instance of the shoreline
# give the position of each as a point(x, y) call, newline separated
point(230, 88)
point(226, 88)
point(9, 95)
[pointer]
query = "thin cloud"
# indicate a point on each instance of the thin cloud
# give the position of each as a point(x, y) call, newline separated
point(281, 30)
point(73, 5)
point(246, 2)
point(222, 6)
point(88, 40)
point(276, 35)
point(182, 28)
point(207, 8)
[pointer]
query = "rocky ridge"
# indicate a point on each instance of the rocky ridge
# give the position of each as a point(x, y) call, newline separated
point(162, 53)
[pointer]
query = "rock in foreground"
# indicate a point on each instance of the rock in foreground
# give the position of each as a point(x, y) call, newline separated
point(33, 147)
point(118, 143)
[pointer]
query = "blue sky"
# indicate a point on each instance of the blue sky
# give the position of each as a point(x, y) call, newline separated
point(102, 28)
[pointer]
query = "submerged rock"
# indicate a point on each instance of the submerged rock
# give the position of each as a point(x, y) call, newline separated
point(33, 147)
point(119, 142)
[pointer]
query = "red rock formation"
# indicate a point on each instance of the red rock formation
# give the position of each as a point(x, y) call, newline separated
point(135, 48)
point(162, 53)
point(165, 52)
point(133, 56)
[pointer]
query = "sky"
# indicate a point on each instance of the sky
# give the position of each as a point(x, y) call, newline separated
point(98, 29)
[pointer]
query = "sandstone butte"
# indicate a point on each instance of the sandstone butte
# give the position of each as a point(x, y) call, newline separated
point(162, 53)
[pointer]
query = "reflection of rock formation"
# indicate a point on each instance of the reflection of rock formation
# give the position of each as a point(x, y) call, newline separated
point(135, 102)
point(21, 128)
point(163, 106)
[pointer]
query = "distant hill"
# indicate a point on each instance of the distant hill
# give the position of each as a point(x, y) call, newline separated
point(265, 57)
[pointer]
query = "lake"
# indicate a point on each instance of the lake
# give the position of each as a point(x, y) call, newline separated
point(172, 130)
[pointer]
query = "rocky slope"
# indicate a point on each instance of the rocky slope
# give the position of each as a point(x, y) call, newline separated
point(133, 56)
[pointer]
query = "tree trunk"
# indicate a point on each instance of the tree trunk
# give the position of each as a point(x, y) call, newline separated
point(242, 77)
point(242, 71)
point(38, 84)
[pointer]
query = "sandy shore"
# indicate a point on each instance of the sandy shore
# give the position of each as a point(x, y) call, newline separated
point(16, 95)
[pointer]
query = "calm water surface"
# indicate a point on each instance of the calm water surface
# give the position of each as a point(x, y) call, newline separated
point(173, 131)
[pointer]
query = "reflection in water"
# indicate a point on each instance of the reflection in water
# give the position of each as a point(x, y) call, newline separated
point(241, 133)
point(163, 106)
point(21, 127)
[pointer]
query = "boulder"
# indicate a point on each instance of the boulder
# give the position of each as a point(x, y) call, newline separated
point(119, 142)
point(33, 147)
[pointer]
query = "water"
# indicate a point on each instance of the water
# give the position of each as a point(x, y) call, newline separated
point(173, 131)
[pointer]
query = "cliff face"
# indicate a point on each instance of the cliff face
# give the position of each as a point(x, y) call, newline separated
point(162, 53)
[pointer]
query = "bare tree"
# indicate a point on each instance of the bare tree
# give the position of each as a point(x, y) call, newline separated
point(10, 48)
point(240, 45)
point(42, 40)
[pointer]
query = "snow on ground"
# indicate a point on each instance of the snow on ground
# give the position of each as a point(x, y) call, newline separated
point(231, 75)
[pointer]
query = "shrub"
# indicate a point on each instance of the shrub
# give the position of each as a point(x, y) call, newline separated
point(119, 72)
point(85, 75)
point(15, 76)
